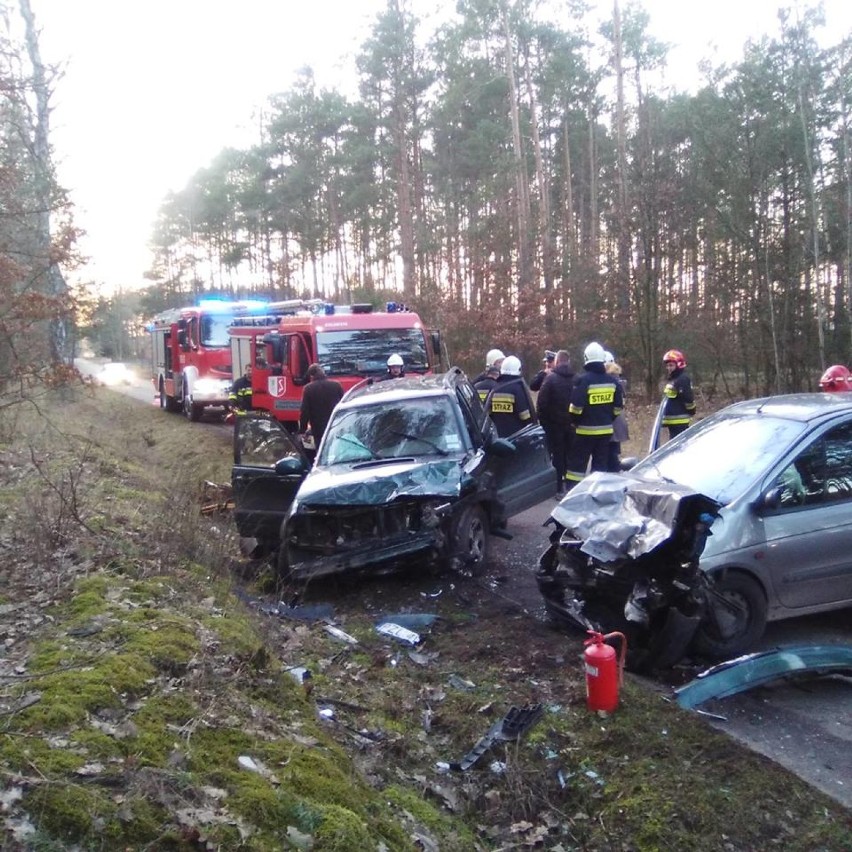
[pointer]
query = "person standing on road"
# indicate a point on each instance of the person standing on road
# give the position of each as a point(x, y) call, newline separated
point(554, 400)
point(319, 398)
point(548, 363)
point(509, 403)
point(240, 397)
point(680, 402)
point(596, 401)
point(620, 432)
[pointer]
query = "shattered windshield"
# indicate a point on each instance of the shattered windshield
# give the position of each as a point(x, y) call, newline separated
point(424, 426)
point(342, 353)
point(721, 456)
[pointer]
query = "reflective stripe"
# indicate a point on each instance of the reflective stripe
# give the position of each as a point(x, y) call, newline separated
point(594, 430)
point(572, 476)
point(675, 421)
point(575, 409)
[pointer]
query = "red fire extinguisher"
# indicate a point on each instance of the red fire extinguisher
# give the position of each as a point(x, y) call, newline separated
point(603, 673)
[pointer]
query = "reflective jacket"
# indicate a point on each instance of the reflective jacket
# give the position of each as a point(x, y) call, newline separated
point(509, 405)
point(596, 401)
point(680, 403)
point(240, 395)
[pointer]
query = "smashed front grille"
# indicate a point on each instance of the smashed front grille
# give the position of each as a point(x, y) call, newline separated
point(327, 531)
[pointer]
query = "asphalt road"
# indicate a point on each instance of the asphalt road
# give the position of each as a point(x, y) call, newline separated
point(805, 727)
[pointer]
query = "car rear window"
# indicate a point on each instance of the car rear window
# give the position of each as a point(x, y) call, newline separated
point(722, 455)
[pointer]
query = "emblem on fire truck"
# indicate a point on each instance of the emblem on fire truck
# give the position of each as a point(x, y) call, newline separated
point(277, 385)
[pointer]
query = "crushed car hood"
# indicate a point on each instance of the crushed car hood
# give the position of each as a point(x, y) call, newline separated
point(372, 484)
point(617, 515)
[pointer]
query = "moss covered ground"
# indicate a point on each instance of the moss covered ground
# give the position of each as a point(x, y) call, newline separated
point(147, 700)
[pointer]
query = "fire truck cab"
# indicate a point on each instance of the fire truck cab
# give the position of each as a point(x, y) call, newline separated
point(191, 356)
point(350, 342)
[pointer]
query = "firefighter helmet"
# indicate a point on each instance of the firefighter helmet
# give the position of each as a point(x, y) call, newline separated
point(594, 353)
point(511, 366)
point(395, 361)
point(609, 358)
point(675, 356)
point(493, 358)
point(835, 378)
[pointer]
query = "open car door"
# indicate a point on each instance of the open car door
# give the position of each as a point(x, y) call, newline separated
point(526, 476)
point(269, 466)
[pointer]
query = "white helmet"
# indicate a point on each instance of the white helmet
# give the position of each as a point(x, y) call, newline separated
point(395, 361)
point(609, 358)
point(511, 366)
point(594, 353)
point(493, 356)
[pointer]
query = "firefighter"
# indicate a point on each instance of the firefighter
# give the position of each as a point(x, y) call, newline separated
point(484, 382)
point(240, 395)
point(396, 367)
point(509, 403)
point(596, 400)
point(680, 403)
point(835, 378)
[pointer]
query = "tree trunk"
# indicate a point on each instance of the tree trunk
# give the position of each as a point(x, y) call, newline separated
point(52, 282)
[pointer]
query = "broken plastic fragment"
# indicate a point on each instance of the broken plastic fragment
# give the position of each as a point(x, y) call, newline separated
point(342, 635)
point(402, 634)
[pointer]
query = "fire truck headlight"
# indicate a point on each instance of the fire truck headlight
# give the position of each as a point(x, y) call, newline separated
point(208, 386)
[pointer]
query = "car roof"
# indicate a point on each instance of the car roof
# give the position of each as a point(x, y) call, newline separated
point(405, 388)
point(803, 407)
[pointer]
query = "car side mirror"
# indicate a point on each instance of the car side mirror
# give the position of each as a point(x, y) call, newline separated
point(290, 465)
point(628, 463)
point(501, 447)
point(771, 500)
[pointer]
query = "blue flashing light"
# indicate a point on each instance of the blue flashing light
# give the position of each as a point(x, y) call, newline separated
point(391, 307)
point(328, 309)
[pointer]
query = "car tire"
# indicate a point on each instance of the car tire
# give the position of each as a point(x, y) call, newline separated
point(470, 539)
point(747, 594)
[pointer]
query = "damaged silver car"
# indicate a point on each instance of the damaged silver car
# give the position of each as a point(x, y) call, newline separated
point(409, 470)
point(744, 518)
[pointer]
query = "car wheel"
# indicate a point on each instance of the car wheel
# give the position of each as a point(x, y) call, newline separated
point(726, 631)
point(470, 539)
point(163, 400)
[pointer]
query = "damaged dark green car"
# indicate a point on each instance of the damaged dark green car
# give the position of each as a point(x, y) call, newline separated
point(410, 471)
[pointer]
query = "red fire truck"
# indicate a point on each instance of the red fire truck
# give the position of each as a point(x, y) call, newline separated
point(191, 355)
point(350, 342)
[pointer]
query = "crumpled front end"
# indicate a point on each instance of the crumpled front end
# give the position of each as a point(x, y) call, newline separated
point(624, 556)
point(372, 516)
point(331, 540)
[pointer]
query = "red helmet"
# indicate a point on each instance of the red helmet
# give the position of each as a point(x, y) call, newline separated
point(835, 378)
point(677, 356)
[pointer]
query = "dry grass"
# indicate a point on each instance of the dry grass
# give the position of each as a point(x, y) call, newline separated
point(150, 675)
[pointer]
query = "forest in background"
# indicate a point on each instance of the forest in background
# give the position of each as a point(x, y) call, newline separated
point(526, 184)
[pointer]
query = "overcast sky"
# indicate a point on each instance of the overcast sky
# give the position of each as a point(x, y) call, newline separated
point(154, 90)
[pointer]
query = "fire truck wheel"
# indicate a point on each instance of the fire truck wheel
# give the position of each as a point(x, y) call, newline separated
point(192, 410)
